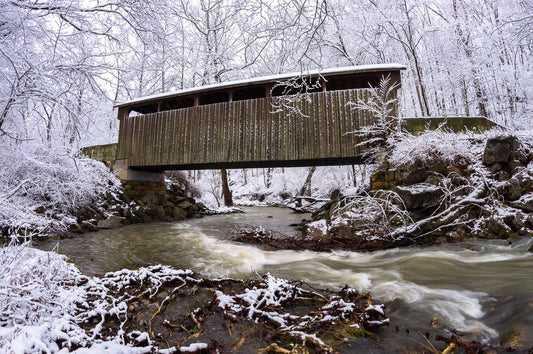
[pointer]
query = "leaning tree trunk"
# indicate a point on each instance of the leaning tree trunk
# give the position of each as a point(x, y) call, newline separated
point(226, 192)
point(306, 188)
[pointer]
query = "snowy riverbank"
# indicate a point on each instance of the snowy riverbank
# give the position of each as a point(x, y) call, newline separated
point(49, 306)
point(56, 192)
point(427, 192)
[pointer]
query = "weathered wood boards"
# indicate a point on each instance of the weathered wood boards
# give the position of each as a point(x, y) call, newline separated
point(247, 133)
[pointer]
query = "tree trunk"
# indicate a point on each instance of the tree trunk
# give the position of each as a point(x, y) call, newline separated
point(226, 192)
point(267, 177)
point(245, 175)
point(306, 188)
point(354, 176)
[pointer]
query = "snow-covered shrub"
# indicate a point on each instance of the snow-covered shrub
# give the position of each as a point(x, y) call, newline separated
point(44, 187)
point(470, 198)
point(37, 295)
point(431, 145)
point(48, 306)
point(382, 105)
point(384, 214)
point(384, 211)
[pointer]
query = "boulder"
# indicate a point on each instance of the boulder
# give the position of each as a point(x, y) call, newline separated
point(497, 228)
point(500, 149)
point(75, 228)
point(157, 212)
point(112, 222)
point(525, 203)
point(418, 170)
point(437, 165)
point(515, 221)
point(510, 190)
point(529, 222)
point(184, 204)
point(151, 199)
point(497, 167)
point(411, 174)
point(178, 213)
point(86, 225)
point(420, 195)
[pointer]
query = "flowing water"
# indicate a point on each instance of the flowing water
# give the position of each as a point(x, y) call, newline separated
point(479, 286)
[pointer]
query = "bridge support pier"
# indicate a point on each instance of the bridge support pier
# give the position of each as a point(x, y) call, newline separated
point(138, 184)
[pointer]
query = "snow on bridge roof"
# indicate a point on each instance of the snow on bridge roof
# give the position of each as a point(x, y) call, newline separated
point(347, 70)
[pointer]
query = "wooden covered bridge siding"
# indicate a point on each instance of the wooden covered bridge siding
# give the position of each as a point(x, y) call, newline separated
point(247, 133)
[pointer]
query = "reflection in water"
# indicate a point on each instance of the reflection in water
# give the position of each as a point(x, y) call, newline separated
point(478, 286)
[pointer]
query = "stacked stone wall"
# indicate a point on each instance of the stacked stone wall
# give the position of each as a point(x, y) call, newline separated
point(136, 190)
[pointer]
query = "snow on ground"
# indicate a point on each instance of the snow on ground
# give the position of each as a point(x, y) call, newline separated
point(44, 301)
point(193, 348)
point(48, 306)
point(320, 226)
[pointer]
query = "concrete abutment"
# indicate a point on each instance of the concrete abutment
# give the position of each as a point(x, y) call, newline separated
point(138, 184)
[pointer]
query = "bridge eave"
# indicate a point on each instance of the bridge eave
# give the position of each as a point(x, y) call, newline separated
point(349, 70)
point(356, 160)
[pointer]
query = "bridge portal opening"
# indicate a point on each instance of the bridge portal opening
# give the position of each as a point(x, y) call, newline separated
point(215, 97)
point(178, 103)
point(250, 93)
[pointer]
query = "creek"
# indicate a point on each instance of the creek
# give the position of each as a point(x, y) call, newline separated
point(483, 287)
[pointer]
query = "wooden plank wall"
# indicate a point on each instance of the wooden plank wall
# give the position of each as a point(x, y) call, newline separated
point(246, 131)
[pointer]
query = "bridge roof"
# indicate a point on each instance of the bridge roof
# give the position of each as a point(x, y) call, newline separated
point(265, 80)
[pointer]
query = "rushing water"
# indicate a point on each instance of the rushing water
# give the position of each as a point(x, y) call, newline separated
point(479, 286)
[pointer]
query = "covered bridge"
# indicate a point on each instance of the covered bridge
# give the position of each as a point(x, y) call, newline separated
point(295, 119)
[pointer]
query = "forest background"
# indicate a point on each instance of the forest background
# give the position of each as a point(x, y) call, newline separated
point(65, 63)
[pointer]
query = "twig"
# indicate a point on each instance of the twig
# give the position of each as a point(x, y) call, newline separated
point(166, 299)
point(14, 191)
point(431, 347)
point(241, 342)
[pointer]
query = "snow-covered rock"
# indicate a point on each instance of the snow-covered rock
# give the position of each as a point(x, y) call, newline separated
point(500, 149)
point(420, 195)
